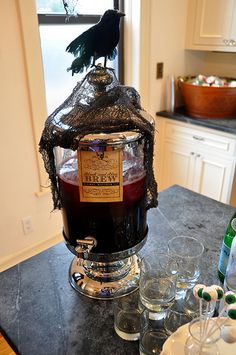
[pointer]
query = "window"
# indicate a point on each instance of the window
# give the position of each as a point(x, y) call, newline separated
point(56, 32)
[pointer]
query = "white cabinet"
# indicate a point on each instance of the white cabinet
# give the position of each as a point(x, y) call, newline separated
point(211, 25)
point(177, 164)
point(197, 158)
point(212, 176)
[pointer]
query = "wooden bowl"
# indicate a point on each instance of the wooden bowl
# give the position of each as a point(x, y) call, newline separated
point(208, 101)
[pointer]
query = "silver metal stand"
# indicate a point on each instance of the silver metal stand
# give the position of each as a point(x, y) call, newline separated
point(101, 275)
point(101, 280)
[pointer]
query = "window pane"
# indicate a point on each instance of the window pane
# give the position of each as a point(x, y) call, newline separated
point(50, 7)
point(58, 82)
point(94, 6)
point(86, 7)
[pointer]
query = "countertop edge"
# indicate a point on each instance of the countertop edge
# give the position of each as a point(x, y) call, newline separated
point(223, 125)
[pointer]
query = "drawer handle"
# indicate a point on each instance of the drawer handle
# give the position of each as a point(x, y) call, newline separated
point(232, 43)
point(198, 138)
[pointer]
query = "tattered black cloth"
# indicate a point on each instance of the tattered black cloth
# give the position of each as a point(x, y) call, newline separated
point(98, 104)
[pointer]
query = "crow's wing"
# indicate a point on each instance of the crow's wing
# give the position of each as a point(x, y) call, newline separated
point(77, 45)
point(81, 44)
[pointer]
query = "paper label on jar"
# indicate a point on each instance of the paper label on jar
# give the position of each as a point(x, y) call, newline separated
point(100, 176)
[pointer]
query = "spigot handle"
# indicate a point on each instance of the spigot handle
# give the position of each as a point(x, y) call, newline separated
point(84, 247)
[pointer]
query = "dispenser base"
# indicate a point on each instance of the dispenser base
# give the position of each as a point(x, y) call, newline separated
point(101, 280)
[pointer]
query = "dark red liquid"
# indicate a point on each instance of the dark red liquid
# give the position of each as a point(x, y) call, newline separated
point(117, 226)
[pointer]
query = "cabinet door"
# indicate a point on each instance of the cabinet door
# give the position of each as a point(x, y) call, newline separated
point(211, 25)
point(177, 166)
point(213, 176)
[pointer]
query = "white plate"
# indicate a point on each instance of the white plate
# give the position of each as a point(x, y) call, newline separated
point(174, 345)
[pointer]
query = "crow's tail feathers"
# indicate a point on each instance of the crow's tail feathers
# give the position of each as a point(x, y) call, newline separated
point(79, 64)
point(113, 54)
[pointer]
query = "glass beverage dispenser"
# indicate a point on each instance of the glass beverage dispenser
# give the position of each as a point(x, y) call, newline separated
point(98, 160)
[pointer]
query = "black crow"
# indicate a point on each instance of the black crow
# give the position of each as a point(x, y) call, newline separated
point(98, 41)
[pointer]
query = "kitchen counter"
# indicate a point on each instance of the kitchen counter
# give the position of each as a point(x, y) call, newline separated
point(42, 314)
point(221, 124)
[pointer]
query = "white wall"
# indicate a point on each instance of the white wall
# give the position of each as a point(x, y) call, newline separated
point(168, 24)
point(167, 44)
point(19, 165)
point(222, 64)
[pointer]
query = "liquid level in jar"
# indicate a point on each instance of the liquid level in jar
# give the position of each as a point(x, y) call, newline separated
point(117, 226)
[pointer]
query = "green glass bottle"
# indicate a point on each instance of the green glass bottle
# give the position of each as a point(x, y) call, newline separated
point(225, 249)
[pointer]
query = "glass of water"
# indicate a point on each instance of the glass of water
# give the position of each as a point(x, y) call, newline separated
point(152, 334)
point(127, 313)
point(157, 286)
point(187, 251)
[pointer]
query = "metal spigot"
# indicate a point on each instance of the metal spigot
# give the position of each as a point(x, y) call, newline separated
point(84, 247)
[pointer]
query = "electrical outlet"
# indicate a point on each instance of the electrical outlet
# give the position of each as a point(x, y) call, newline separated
point(27, 225)
point(160, 67)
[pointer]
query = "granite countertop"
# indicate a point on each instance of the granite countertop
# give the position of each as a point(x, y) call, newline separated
point(42, 314)
point(220, 124)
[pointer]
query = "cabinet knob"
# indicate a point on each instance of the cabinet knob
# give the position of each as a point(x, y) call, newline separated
point(198, 138)
point(192, 153)
point(229, 42)
point(198, 155)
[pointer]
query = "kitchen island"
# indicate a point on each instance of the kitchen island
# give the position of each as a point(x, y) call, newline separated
point(42, 314)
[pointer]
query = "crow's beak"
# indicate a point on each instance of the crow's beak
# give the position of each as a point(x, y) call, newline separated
point(121, 14)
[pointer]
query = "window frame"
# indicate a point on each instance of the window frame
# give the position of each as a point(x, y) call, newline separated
point(61, 19)
point(136, 50)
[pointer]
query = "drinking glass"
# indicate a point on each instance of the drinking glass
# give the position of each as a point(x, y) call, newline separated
point(127, 313)
point(175, 318)
point(158, 277)
point(152, 335)
point(187, 251)
point(203, 337)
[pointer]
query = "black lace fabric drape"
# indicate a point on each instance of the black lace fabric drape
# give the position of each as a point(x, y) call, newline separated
point(98, 104)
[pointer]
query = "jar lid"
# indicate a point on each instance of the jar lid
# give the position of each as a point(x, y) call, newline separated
point(104, 139)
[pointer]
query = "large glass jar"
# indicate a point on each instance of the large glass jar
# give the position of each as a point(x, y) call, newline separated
point(102, 191)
